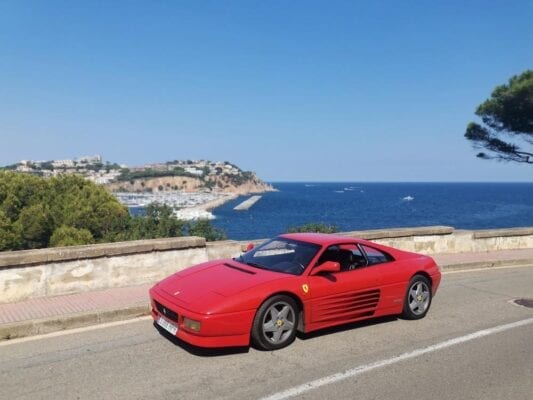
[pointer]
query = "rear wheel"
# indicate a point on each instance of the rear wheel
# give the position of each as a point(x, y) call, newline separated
point(418, 298)
point(275, 323)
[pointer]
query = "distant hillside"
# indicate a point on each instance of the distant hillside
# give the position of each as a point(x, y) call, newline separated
point(177, 175)
point(189, 176)
point(249, 183)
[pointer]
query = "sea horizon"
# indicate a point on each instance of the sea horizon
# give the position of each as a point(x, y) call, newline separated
point(409, 182)
point(363, 205)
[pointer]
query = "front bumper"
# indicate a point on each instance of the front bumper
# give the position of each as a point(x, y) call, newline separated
point(218, 330)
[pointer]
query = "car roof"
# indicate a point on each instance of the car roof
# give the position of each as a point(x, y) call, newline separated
point(323, 239)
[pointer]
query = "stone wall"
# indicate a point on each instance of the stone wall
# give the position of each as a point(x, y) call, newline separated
point(443, 239)
point(49, 272)
point(55, 271)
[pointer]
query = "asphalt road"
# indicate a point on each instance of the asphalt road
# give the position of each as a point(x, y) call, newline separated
point(387, 359)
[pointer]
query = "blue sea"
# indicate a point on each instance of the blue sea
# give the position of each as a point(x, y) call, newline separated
point(358, 206)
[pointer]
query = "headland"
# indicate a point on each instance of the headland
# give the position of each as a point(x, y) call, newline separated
point(191, 187)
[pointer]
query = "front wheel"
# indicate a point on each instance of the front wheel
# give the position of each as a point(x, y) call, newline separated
point(275, 323)
point(418, 298)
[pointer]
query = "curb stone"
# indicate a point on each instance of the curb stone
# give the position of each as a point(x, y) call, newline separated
point(63, 322)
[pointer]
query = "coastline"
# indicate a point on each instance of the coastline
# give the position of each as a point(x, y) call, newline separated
point(186, 205)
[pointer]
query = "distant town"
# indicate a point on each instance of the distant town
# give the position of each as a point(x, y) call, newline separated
point(95, 169)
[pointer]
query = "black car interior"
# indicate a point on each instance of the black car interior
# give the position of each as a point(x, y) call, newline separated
point(346, 258)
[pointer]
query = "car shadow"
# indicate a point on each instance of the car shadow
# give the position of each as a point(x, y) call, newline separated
point(201, 351)
point(225, 351)
point(346, 327)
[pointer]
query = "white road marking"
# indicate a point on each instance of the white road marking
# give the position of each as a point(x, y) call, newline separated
point(461, 271)
point(72, 331)
point(361, 369)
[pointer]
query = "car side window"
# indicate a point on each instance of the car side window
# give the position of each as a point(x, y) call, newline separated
point(375, 256)
point(348, 256)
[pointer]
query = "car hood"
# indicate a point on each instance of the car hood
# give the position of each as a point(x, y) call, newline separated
point(214, 281)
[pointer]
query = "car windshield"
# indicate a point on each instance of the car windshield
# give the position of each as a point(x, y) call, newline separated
point(281, 255)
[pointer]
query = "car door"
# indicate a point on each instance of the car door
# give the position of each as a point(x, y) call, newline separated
point(344, 296)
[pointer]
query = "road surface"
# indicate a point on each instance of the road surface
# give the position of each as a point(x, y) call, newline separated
point(387, 359)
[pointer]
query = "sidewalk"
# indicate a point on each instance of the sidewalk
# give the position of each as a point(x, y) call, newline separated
point(48, 314)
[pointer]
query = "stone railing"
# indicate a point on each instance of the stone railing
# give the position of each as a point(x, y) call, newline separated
point(55, 271)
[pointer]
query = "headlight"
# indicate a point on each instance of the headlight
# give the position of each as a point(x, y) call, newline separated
point(191, 324)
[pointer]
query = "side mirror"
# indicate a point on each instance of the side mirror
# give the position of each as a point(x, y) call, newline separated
point(249, 247)
point(328, 266)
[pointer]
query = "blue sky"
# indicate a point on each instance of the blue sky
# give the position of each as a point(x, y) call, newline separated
point(294, 90)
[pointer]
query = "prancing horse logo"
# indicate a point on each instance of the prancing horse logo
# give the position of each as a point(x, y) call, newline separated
point(305, 288)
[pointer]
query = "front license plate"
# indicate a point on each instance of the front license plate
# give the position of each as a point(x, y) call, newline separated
point(168, 326)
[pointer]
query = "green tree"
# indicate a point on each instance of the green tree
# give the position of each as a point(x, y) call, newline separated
point(506, 131)
point(158, 221)
point(203, 228)
point(35, 225)
point(32, 208)
point(313, 227)
point(9, 235)
point(70, 236)
point(68, 210)
point(79, 203)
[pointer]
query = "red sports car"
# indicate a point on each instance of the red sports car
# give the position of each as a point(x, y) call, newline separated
point(294, 282)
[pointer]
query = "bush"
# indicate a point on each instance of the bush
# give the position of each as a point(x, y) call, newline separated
point(203, 228)
point(70, 236)
point(313, 227)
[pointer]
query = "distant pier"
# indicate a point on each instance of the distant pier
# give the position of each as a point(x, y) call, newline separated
point(246, 204)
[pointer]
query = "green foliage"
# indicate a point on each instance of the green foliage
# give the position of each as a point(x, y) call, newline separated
point(47, 165)
point(70, 236)
point(127, 175)
point(34, 224)
point(94, 167)
point(9, 236)
point(203, 228)
point(313, 227)
point(158, 221)
point(507, 121)
point(244, 177)
point(68, 210)
point(209, 184)
point(81, 204)
point(10, 167)
point(32, 208)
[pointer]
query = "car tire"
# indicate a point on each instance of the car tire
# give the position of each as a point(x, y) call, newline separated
point(417, 298)
point(275, 323)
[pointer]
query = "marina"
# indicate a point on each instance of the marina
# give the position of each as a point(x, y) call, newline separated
point(186, 205)
point(174, 199)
